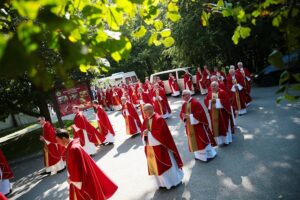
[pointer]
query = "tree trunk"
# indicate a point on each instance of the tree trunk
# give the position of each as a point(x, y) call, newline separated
point(43, 106)
point(57, 110)
point(15, 123)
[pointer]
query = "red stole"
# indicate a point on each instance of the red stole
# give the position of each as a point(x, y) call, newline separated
point(158, 157)
point(199, 135)
point(220, 117)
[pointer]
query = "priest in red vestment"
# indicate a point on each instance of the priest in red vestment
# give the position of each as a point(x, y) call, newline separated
point(2, 197)
point(199, 80)
point(206, 76)
point(132, 121)
point(220, 75)
point(200, 137)
point(53, 152)
point(116, 98)
point(237, 91)
point(87, 181)
point(220, 83)
point(218, 104)
point(133, 95)
point(104, 126)
point(160, 82)
point(163, 159)
point(173, 85)
point(5, 174)
point(159, 103)
point(144, 98)
point(244, 72)
point(86, 132)
point(188, 82)
point(108, 95)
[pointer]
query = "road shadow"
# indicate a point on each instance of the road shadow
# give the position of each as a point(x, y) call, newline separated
point(132, 142)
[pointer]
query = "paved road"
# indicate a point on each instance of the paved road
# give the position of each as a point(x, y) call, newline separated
point(263, 161)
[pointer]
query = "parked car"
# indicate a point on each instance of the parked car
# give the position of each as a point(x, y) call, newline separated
point(178, 73)
point(270, 75)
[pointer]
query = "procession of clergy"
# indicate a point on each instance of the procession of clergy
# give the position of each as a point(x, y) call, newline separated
point(227, 96)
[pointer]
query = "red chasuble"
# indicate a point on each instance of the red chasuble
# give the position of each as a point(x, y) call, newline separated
point(159, 104)
point(188, 81)
point(246, 74)
point(133, 95)
point(2, 197)
point(108, 94)
point(52, 151)
point(206, 78)
point(238, 98)
point(199, 81)
point(6, 171)
point(158, 158)
point(165, 99)
point(131, 118)
point(199, 135)
point(104, 124)
point(219, 117)
point(83, 124)
point(82, 168)
point(173, 85)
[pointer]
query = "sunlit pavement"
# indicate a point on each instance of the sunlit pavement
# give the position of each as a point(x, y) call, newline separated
point(263, 161)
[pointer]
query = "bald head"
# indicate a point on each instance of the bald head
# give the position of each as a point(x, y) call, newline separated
point(214, 78)
point(148, 110)
point(123, 100)
point(186, 95)
point(231, 71)
point(240, 64)
point(214, 86)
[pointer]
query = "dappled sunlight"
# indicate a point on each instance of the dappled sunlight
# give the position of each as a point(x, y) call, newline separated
point(61, 191)
point(246, 183)
point(296, 120)
point(248, 137)
point(229, 184)
point(25, 184)
point(248, 156)
point(284, 165)
point(287, 137)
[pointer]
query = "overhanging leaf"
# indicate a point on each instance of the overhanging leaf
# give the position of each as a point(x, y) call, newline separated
point(275, 58)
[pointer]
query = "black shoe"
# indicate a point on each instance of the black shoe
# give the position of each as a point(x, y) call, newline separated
point(61, 170)
point(45, 173)
point(201, 160)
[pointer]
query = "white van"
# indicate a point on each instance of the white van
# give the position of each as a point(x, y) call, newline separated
point(116, 78)
point(178, 73)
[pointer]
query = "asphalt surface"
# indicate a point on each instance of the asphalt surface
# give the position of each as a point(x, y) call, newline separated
point(263, 161)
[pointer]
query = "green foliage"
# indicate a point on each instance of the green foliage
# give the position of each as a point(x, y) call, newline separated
point(78, 31)
point(283, 15)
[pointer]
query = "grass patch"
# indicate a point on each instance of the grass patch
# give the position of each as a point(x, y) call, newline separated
point(23, 145)
point(8, 131)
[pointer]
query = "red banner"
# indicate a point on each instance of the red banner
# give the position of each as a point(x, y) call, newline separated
point(66, 99)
